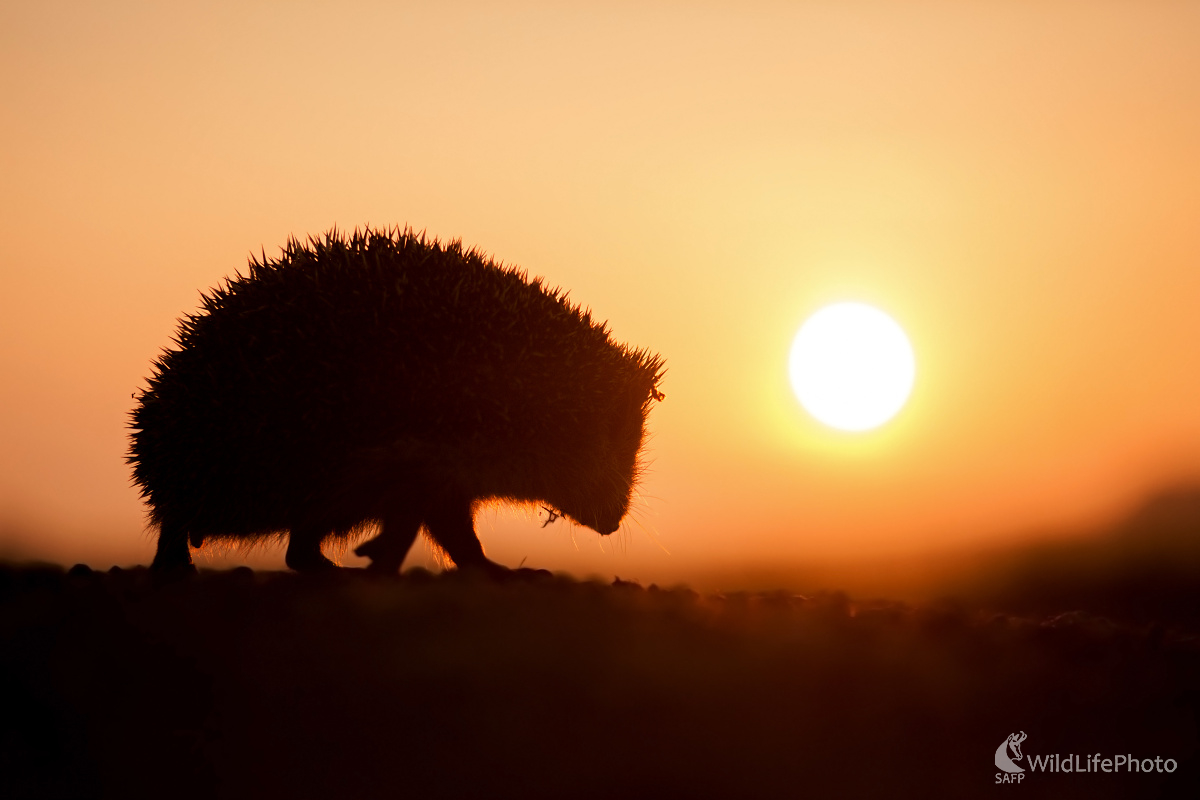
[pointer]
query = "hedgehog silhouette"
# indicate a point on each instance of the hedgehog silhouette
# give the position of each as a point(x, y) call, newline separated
point(381, 380)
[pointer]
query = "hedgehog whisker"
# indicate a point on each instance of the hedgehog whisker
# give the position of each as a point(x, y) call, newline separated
point(651, 534)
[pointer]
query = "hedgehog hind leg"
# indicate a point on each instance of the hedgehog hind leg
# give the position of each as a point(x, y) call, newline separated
point(172, 553)
point(304, 549)
point(388, 550)
point(451, 524)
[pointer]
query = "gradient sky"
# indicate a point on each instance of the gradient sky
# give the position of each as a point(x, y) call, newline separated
point(1018, 184)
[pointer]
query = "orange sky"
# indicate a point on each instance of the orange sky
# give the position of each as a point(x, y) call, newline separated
point(1018, 184)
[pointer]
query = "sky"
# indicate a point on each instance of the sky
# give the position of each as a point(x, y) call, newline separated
point(1017, 184)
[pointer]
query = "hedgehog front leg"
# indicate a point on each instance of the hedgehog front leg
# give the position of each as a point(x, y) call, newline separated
point(451, 523)
point(304, 549)
point(388, 549)
point(172, 552)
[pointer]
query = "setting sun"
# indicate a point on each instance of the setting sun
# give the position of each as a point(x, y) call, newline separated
point(852, 366)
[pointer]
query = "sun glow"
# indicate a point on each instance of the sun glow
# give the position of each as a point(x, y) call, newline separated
point(852, 366)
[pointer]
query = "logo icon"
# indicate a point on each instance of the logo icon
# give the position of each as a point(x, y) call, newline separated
point(1002, 760)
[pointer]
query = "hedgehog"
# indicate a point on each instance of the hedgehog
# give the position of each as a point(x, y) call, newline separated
point(384, 381)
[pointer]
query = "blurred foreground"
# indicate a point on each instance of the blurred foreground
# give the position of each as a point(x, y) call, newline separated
point(1142, 569)
point(244, 684)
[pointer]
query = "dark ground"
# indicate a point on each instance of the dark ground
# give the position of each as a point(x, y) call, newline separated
point(242, 684)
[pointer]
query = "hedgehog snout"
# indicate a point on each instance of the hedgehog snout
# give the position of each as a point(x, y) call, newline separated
point(602, 523)
point(607, 523)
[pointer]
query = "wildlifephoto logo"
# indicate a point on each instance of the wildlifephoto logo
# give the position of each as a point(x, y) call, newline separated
point(1009, 753)
point(1004, 762)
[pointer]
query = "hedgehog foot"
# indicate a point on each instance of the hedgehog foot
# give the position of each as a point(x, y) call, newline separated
point(530, 574)
point(385, 558)
point(519, 575)
point(388, 550)
point(498, 573)
point(172, 565)
point(304, 553)
point(309, 562)
point(488, 569)
point(172, 554)
point(451, 525)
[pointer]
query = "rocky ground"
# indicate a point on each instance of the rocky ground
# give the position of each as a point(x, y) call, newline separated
point(244, 684)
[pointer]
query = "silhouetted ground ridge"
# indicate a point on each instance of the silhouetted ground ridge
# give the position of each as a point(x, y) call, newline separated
point(244, 684)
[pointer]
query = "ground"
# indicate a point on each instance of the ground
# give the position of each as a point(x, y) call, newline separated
point(244, 684)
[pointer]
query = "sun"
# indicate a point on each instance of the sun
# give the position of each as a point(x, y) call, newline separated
point(852, 366)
